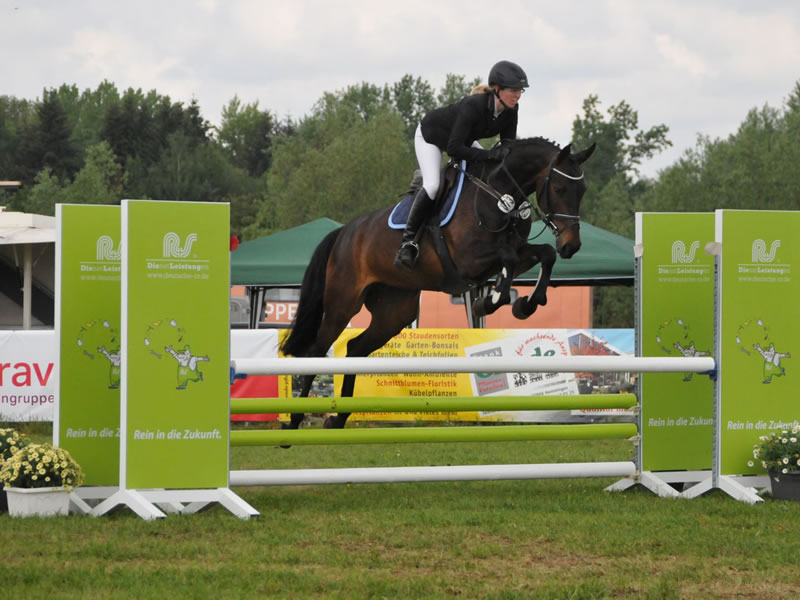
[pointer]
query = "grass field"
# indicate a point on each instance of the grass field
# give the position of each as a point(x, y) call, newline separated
point(513, 539)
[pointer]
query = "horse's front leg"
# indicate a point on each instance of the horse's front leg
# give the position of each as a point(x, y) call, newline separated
point(501, 291)
point(531, 254)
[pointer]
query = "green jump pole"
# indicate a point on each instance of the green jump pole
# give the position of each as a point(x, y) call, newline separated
point(402, 435)
point(430, 404)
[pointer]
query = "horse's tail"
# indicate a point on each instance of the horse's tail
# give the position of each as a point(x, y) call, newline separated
point(310, 307)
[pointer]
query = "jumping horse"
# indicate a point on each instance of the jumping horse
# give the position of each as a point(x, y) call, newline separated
point(487, 237)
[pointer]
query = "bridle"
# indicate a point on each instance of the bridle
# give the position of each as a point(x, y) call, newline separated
point(572, 220)
point(524, 209)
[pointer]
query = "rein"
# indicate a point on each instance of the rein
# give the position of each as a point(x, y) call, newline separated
point(523, 211)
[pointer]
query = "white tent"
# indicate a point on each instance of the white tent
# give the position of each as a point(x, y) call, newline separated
point(24, 239)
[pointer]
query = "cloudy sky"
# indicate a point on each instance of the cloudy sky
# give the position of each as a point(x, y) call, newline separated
point(697, 66)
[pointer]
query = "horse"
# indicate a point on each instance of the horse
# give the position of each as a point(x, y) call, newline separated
point(487, 237)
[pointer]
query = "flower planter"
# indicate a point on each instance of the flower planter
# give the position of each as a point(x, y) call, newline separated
point(785, 486)
point(38, 502)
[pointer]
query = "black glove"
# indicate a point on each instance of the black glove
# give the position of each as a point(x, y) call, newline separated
point(497, 153)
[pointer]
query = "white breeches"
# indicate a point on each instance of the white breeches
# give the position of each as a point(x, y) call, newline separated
point(429, 158)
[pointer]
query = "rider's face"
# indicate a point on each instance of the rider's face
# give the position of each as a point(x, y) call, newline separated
point(510, 96)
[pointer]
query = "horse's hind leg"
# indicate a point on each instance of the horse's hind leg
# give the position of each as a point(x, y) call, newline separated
point(392, 309)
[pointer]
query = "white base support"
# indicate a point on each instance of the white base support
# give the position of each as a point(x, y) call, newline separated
point(133, 500)
point(149, 504)
point(735, 487)
point(656, 480)
point(439, 473)
point(79, 496)
point(647, 480)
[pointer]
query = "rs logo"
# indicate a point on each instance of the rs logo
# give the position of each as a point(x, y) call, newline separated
point(105, 249)
point(760, 253)
point(172, 245)
point(679, 252)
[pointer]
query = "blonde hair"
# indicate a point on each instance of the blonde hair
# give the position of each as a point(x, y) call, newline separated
point(480, 89)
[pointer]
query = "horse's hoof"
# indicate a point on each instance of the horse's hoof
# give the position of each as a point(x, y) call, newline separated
point(287, 426)
point(329, 422)
point(521, 309)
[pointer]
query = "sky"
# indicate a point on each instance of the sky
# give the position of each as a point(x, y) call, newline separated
point(696, 66)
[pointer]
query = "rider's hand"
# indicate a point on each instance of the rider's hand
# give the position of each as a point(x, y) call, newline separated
point(497, 153)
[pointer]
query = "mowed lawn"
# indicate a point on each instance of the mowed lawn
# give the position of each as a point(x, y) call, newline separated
point(506, 539)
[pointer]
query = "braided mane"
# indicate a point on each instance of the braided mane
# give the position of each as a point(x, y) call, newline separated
point(532, 141)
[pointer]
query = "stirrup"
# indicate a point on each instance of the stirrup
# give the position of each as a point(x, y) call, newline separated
point(407, 255)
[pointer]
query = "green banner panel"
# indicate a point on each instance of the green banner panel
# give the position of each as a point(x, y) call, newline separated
point(176, 289)
point(676, 316)
point(88, 330)
point(759, 292)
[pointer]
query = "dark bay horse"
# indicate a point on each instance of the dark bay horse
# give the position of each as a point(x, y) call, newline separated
point(353, 265)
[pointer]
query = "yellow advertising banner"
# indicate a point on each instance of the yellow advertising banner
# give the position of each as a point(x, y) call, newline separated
point(428, 343)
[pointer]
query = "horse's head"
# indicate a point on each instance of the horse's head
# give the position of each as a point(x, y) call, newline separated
point(557, 178)
point(559, 189)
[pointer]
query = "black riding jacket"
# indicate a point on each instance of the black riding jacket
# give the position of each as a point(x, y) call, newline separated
point(453, 128)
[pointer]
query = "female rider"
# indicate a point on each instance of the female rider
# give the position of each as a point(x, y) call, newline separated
point(455, 129)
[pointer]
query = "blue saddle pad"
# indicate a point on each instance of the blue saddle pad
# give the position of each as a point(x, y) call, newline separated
point(399, 216)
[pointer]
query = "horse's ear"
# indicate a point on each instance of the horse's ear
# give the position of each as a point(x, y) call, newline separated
point(564, 154)
point(583, 156)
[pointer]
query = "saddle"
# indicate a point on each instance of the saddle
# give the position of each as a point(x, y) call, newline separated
point(445, 205)
point(445, 202)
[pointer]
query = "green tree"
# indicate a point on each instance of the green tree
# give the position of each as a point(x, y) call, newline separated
point(188, 171)
point(245, 135)
point(15, 117)
point(47, 141)
point(612, 196)
point(755, 168)
point(621, 145)
point(101, 181)
point(413, 99)
point(455, 88)
point(360, 167)
point(46, 192)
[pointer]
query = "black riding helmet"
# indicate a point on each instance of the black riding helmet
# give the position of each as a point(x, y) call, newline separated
point(507, 74)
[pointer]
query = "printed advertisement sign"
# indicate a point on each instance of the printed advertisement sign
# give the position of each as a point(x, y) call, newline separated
point(27, 376)
point(175, 394)
point(490, 342)
point(676, 317)
point(89, 343)
point(258, 343)
point(759, 287)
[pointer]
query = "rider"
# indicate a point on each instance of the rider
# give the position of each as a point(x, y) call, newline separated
point(488, 111)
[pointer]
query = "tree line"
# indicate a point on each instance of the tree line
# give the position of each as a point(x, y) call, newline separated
point(354, 152)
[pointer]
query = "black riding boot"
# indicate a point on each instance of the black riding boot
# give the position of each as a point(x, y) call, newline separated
point(409, 249)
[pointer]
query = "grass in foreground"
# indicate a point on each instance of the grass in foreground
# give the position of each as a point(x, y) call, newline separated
point(495, 540)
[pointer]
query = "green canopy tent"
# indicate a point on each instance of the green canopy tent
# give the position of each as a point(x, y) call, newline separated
point(279, 261)
point(276, 261)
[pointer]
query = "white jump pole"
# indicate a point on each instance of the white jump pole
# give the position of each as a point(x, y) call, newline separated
point(426, 474)
point(514, 364)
